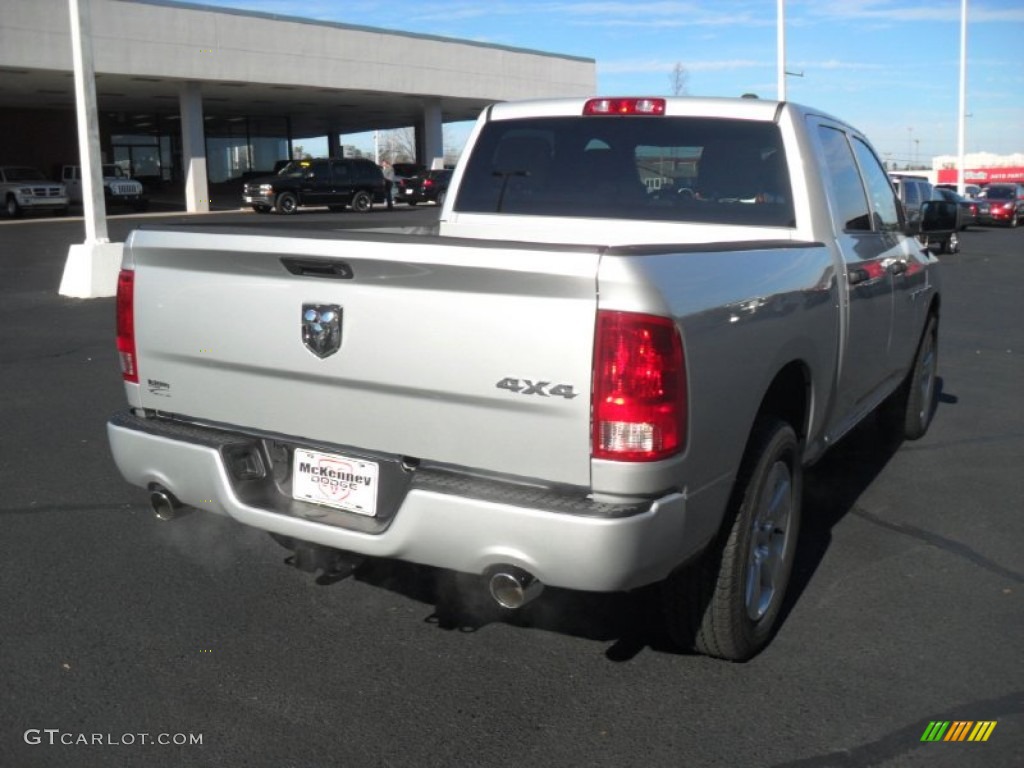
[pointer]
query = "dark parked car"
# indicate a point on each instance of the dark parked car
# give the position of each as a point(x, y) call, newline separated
point(915, 191)
point(972, 191)
point(1001, 204)
point(428, 187)
point(968, 208)
point(334, 182)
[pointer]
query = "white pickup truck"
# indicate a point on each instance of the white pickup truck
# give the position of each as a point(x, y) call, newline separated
point(118, 187)
point(636, 323)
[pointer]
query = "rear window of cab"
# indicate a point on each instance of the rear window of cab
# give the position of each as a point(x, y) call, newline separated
point(709, 170)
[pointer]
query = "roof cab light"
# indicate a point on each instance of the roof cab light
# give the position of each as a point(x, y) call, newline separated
point(624, 107)
point(640, 391)
point(126, 325)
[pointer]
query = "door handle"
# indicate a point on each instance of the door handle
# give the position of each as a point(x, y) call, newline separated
point(895, 266)
point(857, 275)
point(336, 270)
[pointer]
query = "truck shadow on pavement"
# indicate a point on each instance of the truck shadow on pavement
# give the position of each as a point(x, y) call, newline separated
point(632, 622)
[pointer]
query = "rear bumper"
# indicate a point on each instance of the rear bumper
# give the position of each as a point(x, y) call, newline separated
point(441, 518)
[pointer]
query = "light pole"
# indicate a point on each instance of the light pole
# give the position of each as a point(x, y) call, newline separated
point(961, 139)
point(780, 51)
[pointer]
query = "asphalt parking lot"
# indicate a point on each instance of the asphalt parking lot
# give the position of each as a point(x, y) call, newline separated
point(907, 607)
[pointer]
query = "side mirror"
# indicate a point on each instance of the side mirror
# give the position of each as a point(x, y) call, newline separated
point(938, 216)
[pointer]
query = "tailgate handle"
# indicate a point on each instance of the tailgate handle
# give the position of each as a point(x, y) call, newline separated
point(335, 270)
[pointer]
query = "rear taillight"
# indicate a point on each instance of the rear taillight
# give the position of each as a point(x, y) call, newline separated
point(639, 406)
point(624, 107)
point(126, 325)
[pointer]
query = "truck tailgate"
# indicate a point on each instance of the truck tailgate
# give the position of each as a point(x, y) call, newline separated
point(471, 355)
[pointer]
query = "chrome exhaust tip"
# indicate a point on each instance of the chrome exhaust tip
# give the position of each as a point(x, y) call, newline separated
point(164, 505)
point(512, 587)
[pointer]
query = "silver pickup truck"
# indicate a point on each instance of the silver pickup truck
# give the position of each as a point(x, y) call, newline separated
point(637, 321)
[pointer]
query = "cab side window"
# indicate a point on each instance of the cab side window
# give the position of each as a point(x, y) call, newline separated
point(880, 194)
point(321, 172)
point(847, 190)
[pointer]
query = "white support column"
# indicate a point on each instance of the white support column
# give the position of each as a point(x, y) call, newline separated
point(91, 268)
point(430, 135)
point(193, 148)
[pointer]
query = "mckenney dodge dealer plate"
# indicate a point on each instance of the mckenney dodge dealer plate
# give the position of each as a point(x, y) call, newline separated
point(335, 481)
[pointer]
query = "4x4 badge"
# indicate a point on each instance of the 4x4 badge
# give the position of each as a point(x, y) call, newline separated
point(321, 328)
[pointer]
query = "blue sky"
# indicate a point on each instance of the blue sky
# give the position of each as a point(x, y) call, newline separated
point(890, 67)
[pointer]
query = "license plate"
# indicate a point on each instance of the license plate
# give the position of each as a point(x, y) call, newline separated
point(335, 481)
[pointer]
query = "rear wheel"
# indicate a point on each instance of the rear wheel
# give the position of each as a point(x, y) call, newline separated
point(287, 203)
point(362, 202)
point(921, 383)
point(727, 604)
point(908, 412)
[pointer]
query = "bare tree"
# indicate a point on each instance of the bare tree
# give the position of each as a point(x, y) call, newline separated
point(680, 80)
point(398, 145)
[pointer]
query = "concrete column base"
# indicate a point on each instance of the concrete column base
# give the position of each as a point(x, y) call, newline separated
point(91, 270)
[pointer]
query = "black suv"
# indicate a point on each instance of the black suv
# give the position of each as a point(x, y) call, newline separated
point(336, 183)
point(915, 191)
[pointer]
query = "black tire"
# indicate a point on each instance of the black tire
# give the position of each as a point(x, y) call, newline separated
point(12, 207)
point(727, 604)
point(441, 198)
point(287, 203)
point(919, 396)
point(410, 202)
point(951, 244)
point(1014, 220)
point(362, 201)
point(261, 208)
point(61, 211)
point(908, 412)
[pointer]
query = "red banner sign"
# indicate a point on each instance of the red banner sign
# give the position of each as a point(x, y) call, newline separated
point(1007, 175)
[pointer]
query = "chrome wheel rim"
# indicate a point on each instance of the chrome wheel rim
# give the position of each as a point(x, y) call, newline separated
point(769, 541)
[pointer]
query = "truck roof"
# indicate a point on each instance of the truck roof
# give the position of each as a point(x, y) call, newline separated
point(767, 110)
